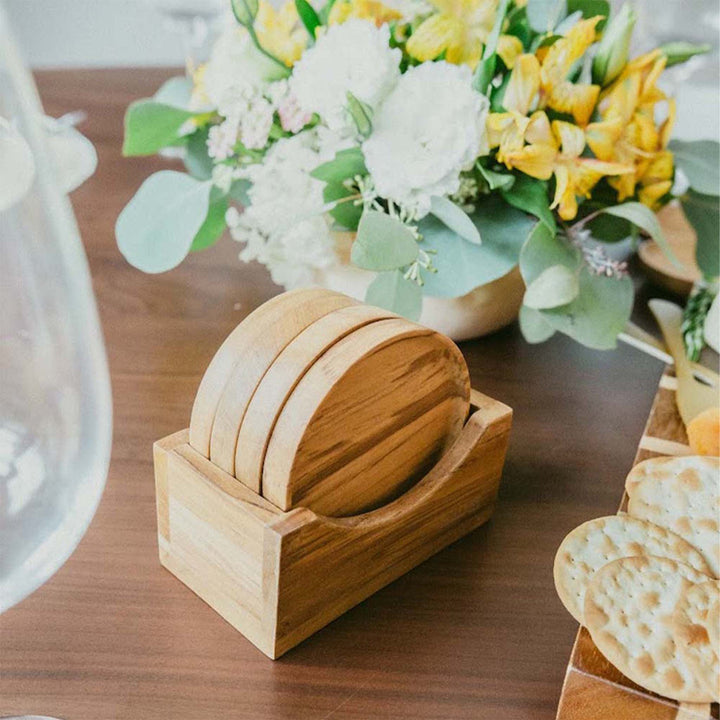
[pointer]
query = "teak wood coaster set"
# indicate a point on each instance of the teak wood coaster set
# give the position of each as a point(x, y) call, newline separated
point(332, 447)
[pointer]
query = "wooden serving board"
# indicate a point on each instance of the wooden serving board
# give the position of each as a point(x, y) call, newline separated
point(593, 688)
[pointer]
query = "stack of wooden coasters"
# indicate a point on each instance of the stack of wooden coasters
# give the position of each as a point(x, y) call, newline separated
point(321, 428)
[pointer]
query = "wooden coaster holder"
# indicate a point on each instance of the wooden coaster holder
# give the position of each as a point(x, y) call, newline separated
point(277, 576)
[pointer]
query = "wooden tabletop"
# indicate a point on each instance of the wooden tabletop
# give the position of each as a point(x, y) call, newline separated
point(475, 632)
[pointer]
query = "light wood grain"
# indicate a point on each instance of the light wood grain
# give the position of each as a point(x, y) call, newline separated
point(371, 415)
point(279, 577)
point(282, 377)
point(242, 360)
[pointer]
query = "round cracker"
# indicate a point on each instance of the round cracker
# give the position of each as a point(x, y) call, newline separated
point(694, 629)
point(628, 611)
point(595, 543)
point(683, 495)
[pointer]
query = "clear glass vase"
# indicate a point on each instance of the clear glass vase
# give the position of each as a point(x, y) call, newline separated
point(55, 401)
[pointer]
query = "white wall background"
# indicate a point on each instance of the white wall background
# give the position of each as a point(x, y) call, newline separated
point(95, 33)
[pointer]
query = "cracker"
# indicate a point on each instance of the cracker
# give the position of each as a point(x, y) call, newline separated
point(595, 543)
point(683, 495)
point(628, 610)
point(694, 629)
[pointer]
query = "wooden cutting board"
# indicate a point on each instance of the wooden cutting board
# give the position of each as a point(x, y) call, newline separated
point(593, 688)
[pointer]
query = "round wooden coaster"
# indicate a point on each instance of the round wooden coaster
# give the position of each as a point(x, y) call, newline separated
point(282, 377)
point(242, 360)
point(370, 416)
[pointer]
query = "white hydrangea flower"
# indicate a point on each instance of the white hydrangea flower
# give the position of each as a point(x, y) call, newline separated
point(353, 57)
point(284, 226)
point(428, 130)
point(236, 71)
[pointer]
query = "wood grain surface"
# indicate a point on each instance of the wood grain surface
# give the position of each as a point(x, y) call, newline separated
point(371, 416)
point(475, 632)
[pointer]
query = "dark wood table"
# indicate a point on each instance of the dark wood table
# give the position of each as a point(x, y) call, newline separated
point(475, 632)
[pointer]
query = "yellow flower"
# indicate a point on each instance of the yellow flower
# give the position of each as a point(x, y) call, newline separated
point(344, 10)
point(541, 80)
point(280, 32)
point(509, 48)
point(627, 132)
point(557, 150)
point(459, 29)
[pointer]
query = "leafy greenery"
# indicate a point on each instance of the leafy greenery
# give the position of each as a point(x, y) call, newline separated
point(554, 286)
point(703, 213)
point(393, 291)
point(496, 180)
point(455, 218)
point(533, 325)
point(383, 243)
point(644, 218)
point(700, 161)
point(531, 195)
point(214, 224)
point(196, 159)
point(361, 115)
point(308, 16)
point(693, 322)
point(680, 51)
point(544, 15)
point(158, 226)
point(485, 70)
point(461, 265)
point(346, 165)
point(602, 305)
point(245, 11)
point(151, 126)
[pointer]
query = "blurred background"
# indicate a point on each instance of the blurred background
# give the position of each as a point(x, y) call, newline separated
point(115, 33)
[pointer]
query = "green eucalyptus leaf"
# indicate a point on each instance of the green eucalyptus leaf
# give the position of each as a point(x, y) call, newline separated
point(496, 180)
point(175, 92)
point(245, 11)
point(361, 115)
point(531, 195)
point(455, 218)
point(239, 191)
point(703, 213)
point(562, 29)
point(544, 15)
point(644, 218)
point(308, 16)
point(214, 224)
point(346, 164)
point(157, 227)
point(535, 328)
point(383, 243)
point(700, 161)
point(393, 291)
point(543, 250)
point(598, 314)
point(461, 265)
point(680, 51)
point(151, 126)
point(554, 286)
point(196, 159)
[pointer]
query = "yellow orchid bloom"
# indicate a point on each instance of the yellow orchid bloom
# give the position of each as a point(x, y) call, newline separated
point(540, 80)
point(459, 29)
point(556, 149)
point(344, 10)
point(280, 32)
point(627, 132)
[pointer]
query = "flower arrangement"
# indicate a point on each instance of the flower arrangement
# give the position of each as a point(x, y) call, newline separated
point(457, 139)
